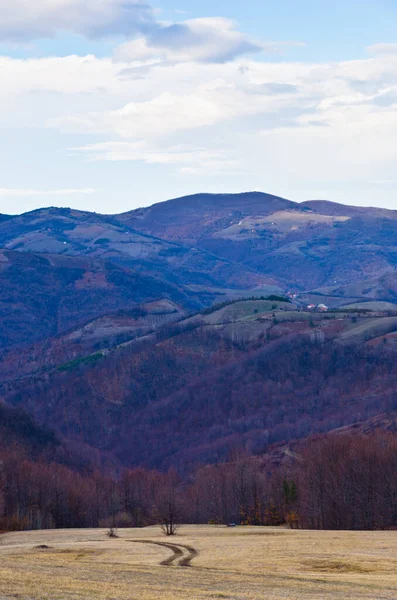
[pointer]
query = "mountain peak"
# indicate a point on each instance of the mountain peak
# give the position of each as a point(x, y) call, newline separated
point(206, 200)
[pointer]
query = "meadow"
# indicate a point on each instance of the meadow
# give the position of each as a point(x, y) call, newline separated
point(200, 562)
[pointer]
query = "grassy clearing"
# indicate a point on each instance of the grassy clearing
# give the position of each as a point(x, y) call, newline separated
point(245, 310)
point(370, 328)
point(375, 305)
point(91, 360)
point(238, 564)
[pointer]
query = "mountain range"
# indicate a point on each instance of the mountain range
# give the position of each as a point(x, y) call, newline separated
point(170, 335)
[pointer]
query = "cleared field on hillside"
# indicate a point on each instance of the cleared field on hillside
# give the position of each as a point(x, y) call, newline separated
point(246, 309)
point(361, 332)
point(201, 562)
point(375, 305)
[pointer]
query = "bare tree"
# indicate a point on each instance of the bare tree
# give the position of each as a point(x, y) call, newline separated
point(169, 504)
point(112, 533)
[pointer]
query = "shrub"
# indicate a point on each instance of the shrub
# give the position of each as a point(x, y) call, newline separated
point(112, 532)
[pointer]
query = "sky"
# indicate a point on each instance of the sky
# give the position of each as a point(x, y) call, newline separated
point(109, 105)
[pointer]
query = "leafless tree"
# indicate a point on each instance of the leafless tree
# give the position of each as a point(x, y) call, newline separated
point(169, 504)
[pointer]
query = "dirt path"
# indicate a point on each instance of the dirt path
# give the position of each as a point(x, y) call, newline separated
point(185, 554)
point(187, 559)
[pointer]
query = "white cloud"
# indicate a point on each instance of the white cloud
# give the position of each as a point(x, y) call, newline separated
point(166, 113)
point(23, 193)
point(23, 20)
point(383, 49)
point(203, 40)
point(335, 120)
point(70, 74)
point(275, 121)
point(36, 90)
point(181, 157)
point(177, 98)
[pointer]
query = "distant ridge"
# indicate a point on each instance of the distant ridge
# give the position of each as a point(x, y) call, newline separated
point(244, 201)
point(209, 247)
point(328, 207)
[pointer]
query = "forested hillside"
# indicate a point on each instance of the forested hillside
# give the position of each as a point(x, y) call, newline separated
point(244, 376)
point(217, 330)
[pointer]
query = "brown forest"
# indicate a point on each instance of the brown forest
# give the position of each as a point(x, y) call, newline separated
point(195, 396)
point(342, 481)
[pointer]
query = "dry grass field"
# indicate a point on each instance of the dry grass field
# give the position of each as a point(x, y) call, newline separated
point(200, 562)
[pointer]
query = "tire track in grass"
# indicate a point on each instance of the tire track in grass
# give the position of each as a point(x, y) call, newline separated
point(186, 560)
point(185, 554)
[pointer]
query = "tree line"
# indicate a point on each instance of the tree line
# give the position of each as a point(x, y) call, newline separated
point(344, 481)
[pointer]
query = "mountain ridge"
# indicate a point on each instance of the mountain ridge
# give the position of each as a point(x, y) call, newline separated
point(213, 196)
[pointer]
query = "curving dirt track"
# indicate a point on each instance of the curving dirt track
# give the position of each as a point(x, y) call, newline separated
point(187, 559)
point(185, 554)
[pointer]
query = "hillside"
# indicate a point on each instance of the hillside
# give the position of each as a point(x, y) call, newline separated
point(193, 217)
point(100, 334)
point(108, 238)
point(305, 245)
point(217, 243)
point(116, 331)
point(246, 375)
point(19, 430)
point(42, 296)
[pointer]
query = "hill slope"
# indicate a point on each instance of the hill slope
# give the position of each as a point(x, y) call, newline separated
point(245, 377)
point(44, 295)
point(101, 339)
point(74, 233)
point(214, 242)
point(305, 245)
point(191, 217)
